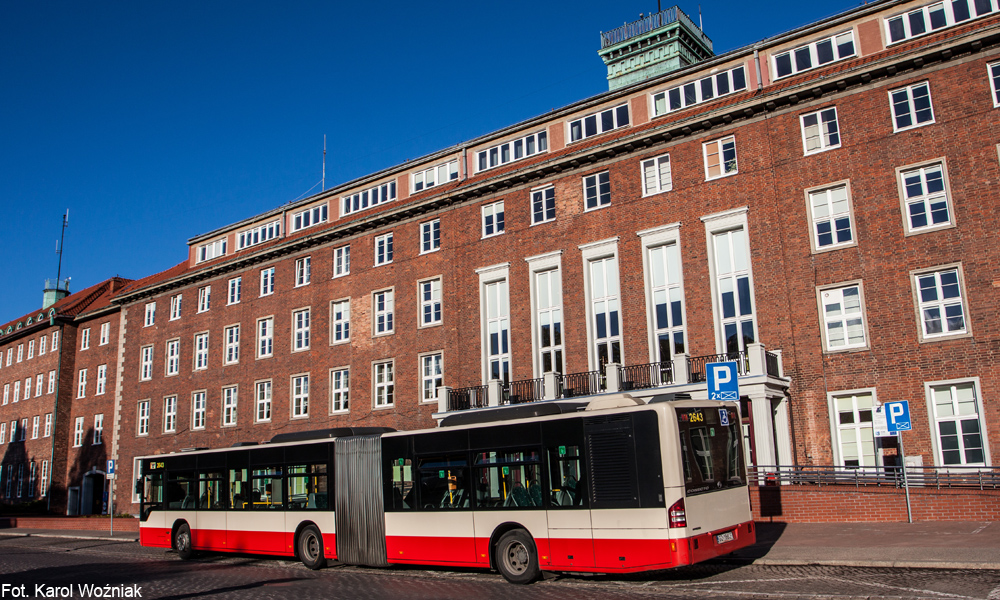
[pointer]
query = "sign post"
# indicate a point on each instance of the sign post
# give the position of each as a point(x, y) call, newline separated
point(898, 420)
point(111, 493)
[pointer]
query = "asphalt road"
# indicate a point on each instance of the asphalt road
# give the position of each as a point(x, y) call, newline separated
point(156, 573)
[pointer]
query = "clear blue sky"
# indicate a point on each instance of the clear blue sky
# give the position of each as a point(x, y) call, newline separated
point(153, 122)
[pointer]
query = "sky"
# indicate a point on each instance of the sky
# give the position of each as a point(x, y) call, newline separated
point(154, 122)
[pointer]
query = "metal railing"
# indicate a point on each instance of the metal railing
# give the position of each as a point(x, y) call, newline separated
point(582, 384)
point(983, 478)
point(520, 392)
point(771, 364)
point(650, 23)
point(468, 397)
point(698, 363)
point(641, 377)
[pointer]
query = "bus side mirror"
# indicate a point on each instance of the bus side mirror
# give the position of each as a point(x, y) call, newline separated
point(138, 486)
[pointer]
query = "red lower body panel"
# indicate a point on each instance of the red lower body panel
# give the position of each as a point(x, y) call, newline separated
point(456, 551)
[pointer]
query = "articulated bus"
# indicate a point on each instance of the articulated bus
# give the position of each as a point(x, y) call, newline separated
point(608, 484)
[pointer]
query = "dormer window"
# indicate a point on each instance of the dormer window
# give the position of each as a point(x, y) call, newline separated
point(309, 217)
point(211, 250)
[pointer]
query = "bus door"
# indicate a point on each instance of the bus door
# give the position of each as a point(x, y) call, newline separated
point(571, 539)
point(211, 531)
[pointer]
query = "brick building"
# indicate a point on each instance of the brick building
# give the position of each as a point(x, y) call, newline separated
point(817, 207)
point(58, 373)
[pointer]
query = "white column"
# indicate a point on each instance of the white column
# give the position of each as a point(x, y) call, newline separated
point(550, 386)
point(493, 393)
point(443, 394)
point(763, 429)
point(782, 431)
point(682, 368)
point(757, 362)
point(613, 377)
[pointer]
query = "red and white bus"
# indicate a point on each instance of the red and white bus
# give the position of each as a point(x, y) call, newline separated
point(606, 485)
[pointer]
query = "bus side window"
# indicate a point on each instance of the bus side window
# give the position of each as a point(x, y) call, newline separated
point(238, 496)
point(566, 487)
point(403, 489)
point(307, 487)
point(181, 491)
point(266, 488)
point(444, 482)
point(508, 479)
point(209, 490)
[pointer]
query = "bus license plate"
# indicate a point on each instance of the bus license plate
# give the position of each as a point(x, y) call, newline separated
point(722, 538)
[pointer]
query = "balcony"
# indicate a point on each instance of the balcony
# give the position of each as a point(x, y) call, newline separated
point(681, 374)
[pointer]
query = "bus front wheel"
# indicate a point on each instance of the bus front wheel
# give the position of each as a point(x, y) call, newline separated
point(311, 548)
point(182, 542)
point(517, 558)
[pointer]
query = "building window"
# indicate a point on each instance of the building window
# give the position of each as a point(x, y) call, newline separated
point(341, 261)
point(41, 347)
point(497, 330)
point(656, 175)
point(493, 219)
point(170, 414)
point(911, 106)
point(17, 391)
point(81, 385)
point(383, 249)
point(102, 380)
point(173, 357)
point(262, 394)
point(103, 341)
point(433, 176)
point(597, 190)
point(383, 304)
point(232, 344)
point(956, 409)
point(543, 205)
point(142, 419)
point(512, 150)
point(666, 300)
point(211, 250)
point(258, 235)
point(340, 390)
point(720, 158)
point(34, 427)
point(430, 236)
point(84, 340)
point(816, 54)
point(55, 345)
point(48, 425)
point(228, 406)
point(52, 384)
point(43, 486)
point(939, 303)
point(267, 281)
point(925, 198)
point(855, 441)
point(6, 393)
point(994, 75)
point(820, 130)
point(300, 396)
point(384, 384)
point(830, 211)
point(735, 319)
point(204, 298)
point(31, 348)
point(77, 433)
point(3, 432)
point(430, 302)
point(150, 318)
point(198, 405)
point(935, 16)
point(175, 307)
point(340, 321)
point(303, 271)
point(265, 337)
point(31, 479)
point(431, 376)
point(200, 351)
point(235, 290)
point(606, 120)
point(309, 217)
point(300, 330)
point(702, 90)
point(40, 380)
point(843, 318)
point(368, 198)
point(27, 387)
point(548, 320)
point(604, 304)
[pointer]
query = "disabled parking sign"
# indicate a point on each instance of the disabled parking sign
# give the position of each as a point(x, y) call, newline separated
point(723, 381)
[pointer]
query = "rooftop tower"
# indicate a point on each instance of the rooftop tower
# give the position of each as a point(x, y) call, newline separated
point(655, 44)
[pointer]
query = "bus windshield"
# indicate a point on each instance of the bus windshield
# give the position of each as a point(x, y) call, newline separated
point(710, 449)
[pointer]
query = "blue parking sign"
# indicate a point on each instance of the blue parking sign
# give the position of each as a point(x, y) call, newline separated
point(897, 416)
point(723, 381)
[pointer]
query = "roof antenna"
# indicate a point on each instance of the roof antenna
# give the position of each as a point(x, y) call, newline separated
point(700, 26)
point(59, 246)
point(323, 185)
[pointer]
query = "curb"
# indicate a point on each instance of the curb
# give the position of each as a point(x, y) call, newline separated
point(875, 564)
point(70, 537)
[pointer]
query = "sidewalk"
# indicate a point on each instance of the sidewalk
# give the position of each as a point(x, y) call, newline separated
point(933, 545)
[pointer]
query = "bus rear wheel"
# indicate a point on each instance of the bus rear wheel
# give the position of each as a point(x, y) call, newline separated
point(311, 548)
point(517, 558)
point(182, 542)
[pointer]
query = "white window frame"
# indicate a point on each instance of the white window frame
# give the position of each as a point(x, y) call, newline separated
point(694, 92)
point(309, 217)
point(993, 74)
point(368, 198)
point(593, 196)
point(813, 53)
point(549, 265)
point(498, 362)
point(17, 391)
point(258, 235)
point(727, 168)
point(235, 291)
point(493, 219)
point(266, 281)
point(429, 295)
point(926, 199)
point(933, 419)
point(146, 363)
point(31, 348)
point(434, 176)
point(837, 429)
point(230, 405)
point(828, 194)
point(265, 337)
point(299, 394)
point(47, 432)
point(342, 261)
point(301, 329)
point(604, 250)
point(148, 320)
point(170, 414)
point(383, 249)
point(940, 303)
point(431, 380)
point(512, 151)
point(43, 485)
point(84, 340)
point(211, 250)
point(142, 418)
point(173, 364)
point(911, 109)
point(102, 341)
point(823, 130)
point(340, 321)
point(835, 293)
point(720, 223)
point(52, 383)
point(580, 129)
point(6, 393)
point(102, 381)
point(340, 390)
point(947, 14)
point(671, 286)
point(55, 345)
point(231, 337)
point(41, 348)
point(303, 271)
point(543, 204)
point(27, 387)
point(383, 384)
point(430, 236)
point(204, 298)
point(77, 432)
point(199, 409)
point(40, 383)
point(201, 351)
point(263, 398)
point(175, 306)
point(383, 318)
point(34, 427)
point(656, 175)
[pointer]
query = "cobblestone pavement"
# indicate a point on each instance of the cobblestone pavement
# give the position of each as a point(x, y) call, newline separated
point(160, 574)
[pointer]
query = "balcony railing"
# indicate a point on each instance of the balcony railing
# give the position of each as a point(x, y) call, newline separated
point(468, 397)
point(771, 364)
point(698, 363)
point(983, 478)
point(520, 392)
point(650, 23)
point(583, 384)
point(642, 377)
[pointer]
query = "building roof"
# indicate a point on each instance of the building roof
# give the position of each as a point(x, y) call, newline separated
point(88, 300)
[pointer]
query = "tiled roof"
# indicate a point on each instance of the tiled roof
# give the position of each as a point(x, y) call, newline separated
point(93, 298)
